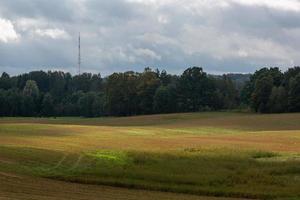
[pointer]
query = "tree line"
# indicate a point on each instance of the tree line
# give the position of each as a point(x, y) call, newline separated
point(55, 93)
point(271, 91)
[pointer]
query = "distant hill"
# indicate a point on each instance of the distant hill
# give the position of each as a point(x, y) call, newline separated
point(238, 79)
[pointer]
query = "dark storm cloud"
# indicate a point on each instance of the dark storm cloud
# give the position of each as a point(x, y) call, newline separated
point(120, 35)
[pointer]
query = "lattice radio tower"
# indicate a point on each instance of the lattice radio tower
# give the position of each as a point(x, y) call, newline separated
point(79, 54)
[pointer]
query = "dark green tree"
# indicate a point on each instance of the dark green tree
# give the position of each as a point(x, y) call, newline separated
point(70, 102)
point(261, 94)
point(288, 75)
point(58, 85)
point(195, 90)
point(147, 84)
point(226, 93)
point(31, 96)
point(121, 94)
point(4, 109)
point(14, 102)
point(48, 105)
point(278, 100)
point(28, 106)
point(96, 83)
point(165, 99)
point(5, 82)
point(99, 105)
point(294, 94)
point(165, 78)
point(90, 105)
point(246, 93)
point(86, 104)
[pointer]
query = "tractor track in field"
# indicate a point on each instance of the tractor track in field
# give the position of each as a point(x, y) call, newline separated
point(76, 164)
point(61, 161)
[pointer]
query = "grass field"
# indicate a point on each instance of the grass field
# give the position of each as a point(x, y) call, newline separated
point(221, 154)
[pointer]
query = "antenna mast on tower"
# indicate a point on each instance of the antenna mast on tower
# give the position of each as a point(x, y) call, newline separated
point(79, 54)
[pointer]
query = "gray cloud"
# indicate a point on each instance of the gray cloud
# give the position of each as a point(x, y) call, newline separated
point(119, 35)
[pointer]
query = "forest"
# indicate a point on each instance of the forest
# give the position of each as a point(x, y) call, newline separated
point(56, 93)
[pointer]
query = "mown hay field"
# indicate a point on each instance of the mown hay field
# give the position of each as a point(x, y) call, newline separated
point(222, 154)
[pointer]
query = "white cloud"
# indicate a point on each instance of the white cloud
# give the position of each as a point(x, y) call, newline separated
point(242, 53)
point(163, 19)
point(7, 31)
point(52, 33)
point(27, 24)
point(157, 39)
point(147, 53)
point(224, 46)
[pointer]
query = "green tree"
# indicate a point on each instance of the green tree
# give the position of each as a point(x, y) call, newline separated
point(31, 89)
point(42, 80)
point(121, 94)
point(28, 106)
point(58, 85)
point(86, 104)
point(165, 99)
point(48, 105)
point(31, 97)
point(14, 102)
point(261, 94)
point(246, 93)
point(195, 90)
point(227, 93)
point(147, 84)
point(98, 105)
point(96, 83)
point(4, 109)
point(288, 75)
point(165, 78)
point(294, 94)
point(71, 107)
point(90, 105)
point(278, 100)
point(5, 82)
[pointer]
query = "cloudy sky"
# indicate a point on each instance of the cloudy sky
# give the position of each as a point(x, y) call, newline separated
point(119, 35)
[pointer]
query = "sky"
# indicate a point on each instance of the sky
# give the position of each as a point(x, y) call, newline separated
point(222, 36)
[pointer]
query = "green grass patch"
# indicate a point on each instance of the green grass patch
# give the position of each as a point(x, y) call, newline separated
point(217, 172)
point(115, 157)
point(263, 154)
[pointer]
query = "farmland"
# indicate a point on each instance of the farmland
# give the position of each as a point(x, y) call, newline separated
point(188, 156)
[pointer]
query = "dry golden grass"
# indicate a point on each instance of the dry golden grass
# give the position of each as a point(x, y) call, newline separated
point(171, 132)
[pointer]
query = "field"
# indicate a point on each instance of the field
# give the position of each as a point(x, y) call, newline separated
point(175, 156)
